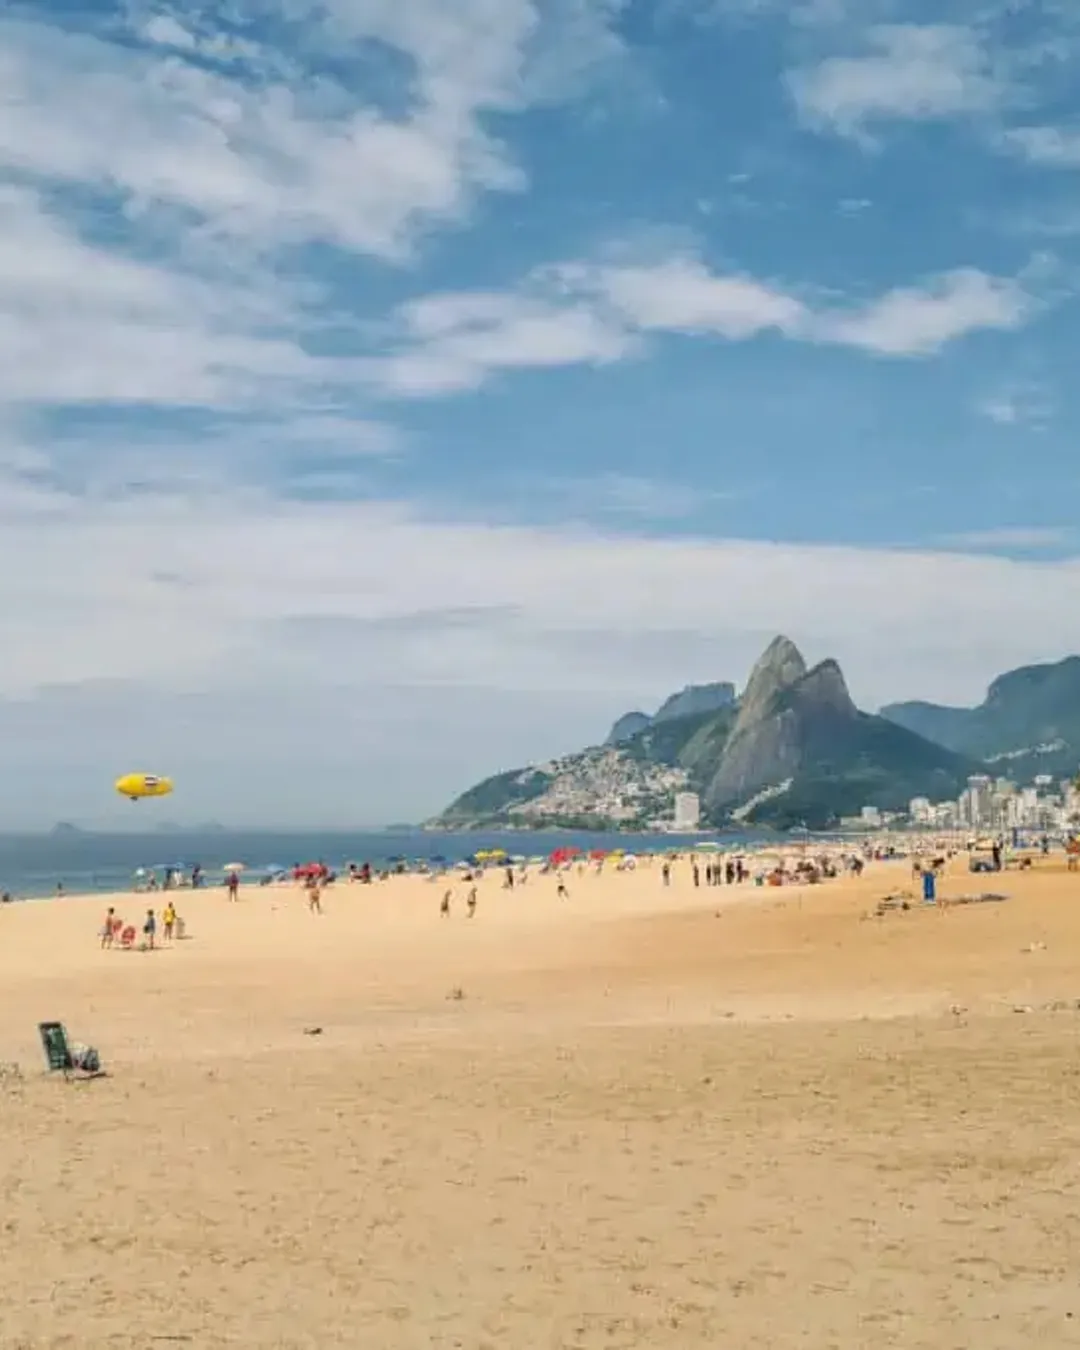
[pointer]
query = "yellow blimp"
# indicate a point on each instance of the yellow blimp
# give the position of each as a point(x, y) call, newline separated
point(139, 785)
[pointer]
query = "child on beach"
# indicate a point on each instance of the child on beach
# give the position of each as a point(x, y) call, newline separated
point(149, 929)
point(562, 892)
point(168, 921)
point(108, 928)
point(314, 896)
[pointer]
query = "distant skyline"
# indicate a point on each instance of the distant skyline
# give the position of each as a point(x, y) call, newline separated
point(393, 394)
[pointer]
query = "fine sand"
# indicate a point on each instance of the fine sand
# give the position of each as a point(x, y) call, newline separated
point(640, 1116)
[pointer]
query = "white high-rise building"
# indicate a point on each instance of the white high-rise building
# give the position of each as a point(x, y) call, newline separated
point(920, 811)
point(687, 811)
point(980, 799)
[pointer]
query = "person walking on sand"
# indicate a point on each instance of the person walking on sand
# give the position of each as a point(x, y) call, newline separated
point(233, 884)
point(149, 928)
point(470, 901)
point(444, 908)
point(665, 872)
point(168, 921)
point(314, 900)
point(562, 892)
point(108, 928)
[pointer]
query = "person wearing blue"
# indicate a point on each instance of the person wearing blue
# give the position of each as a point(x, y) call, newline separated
point(929, 886)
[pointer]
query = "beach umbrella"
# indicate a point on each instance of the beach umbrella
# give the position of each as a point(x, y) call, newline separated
point(707, 846)
point(233, 867)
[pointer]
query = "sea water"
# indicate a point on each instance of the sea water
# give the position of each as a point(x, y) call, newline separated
point(32, 866)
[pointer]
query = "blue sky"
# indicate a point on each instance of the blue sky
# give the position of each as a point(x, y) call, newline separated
point(394, 391)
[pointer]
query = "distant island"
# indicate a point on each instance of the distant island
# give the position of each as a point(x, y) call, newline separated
point(793, 750)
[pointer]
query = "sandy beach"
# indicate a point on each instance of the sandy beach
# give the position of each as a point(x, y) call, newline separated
point(639, 1116)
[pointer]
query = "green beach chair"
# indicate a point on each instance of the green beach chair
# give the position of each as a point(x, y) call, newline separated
point(63, 1057)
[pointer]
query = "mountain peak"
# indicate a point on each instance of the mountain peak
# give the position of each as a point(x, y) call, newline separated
point(629, 724)
point(780, 665)
point(826, 688)
point(696, 698)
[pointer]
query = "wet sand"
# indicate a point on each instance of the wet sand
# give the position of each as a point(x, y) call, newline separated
point(639, 1117)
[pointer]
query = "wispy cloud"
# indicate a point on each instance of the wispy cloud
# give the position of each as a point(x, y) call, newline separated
point(1009, 538)
point(1021, 404)
point(1049, 147)
point(915, 321)
point(286, 160)
point(907, 72)
point(598, 313)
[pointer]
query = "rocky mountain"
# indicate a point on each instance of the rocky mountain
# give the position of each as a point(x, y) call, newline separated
point(628, 726)
point(794, 749)
point(801, 727)
point(1028, 723)
point(691, 701)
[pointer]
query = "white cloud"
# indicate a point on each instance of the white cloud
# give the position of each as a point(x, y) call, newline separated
point(584, 313)
point(909, 73)
point(681, 295)
point(80, 323)
point(292, 156)
point(1026, 403)
point(912, 321)
point(453, 341)
point(1028, 538)
point(1048, 147)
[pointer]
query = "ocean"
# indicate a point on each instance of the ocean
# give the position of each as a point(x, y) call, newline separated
point(31, 866)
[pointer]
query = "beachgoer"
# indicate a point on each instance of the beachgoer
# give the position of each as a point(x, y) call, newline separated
point(444, 908)
point(470, 901)
point(562, 892)
point(665, 872)
point(697, 875)
point(314, 899)
point(108, 928)
point(149, 929)
point(168, 921)
point(233, 884)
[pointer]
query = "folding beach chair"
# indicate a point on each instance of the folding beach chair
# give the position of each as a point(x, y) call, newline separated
point(63, 1057)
